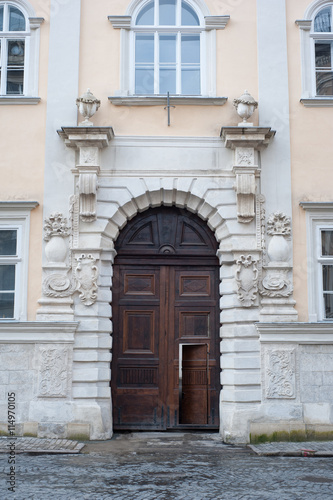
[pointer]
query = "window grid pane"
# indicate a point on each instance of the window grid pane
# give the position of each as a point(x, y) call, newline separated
point(16, 20)
point(146, 15)
point(7, 277)
point(322, 22)
point(167, 12)
point(8, 242)
point(327, 242)
point(189, 17)
point(7, 302)
point(1, 18)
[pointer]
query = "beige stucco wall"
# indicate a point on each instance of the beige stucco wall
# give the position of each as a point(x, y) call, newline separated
point(312, 176)
point(236, 70)
point(22, 129)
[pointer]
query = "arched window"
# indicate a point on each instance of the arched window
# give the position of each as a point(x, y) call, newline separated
point(317, 53)
point(167, 46)
point(14, 28)
point(322, 36)
point(167, 42)
point(19, 52)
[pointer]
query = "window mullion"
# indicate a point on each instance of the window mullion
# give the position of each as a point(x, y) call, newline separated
point(178, 13)
point(157, 13)
point(156, 63)
point(178, 64)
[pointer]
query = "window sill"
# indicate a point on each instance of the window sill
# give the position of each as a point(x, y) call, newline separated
point(19, 99)
point(160, 100)
point(317, 102)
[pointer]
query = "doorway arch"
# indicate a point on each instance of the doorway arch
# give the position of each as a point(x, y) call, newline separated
point(165, 364)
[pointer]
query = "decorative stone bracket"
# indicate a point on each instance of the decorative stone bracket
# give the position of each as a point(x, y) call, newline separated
point(88, 141)
point(246, 142)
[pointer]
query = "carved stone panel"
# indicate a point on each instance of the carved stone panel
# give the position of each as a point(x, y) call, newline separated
point(86, 274)
point(54, 370)
point(247, 280)
point(280, 368)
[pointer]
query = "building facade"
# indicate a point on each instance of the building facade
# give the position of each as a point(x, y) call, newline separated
point(166, 246)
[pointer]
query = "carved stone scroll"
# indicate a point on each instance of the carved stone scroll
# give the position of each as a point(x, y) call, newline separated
point(280, 374)
point(247, 280)
point(88, 191)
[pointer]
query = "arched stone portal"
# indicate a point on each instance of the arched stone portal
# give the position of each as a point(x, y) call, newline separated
point(165, 366)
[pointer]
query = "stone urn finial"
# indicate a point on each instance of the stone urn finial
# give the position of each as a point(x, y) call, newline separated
point(87, 105)
point(245, 106)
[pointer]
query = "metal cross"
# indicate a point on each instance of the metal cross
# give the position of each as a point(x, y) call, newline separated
point(168, 107)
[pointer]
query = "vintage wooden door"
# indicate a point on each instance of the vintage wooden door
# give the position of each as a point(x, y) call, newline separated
point(165, 363)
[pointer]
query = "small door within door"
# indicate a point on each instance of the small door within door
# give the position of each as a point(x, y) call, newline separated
point(193, 384)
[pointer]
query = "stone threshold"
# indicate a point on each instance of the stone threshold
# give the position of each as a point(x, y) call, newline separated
point(39, 445)
point(294, 449)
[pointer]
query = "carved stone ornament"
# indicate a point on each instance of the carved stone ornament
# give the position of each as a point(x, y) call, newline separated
point(247, 280)
point(279, 224)
point(58, 285)
point(245, 106)
point(87, 105)
point(88, 190)
point(53, 377)
point(245, 189)
point(86, 274)
point(276, 284)
point(244, 156)
point(280, 374)
point(56, 225)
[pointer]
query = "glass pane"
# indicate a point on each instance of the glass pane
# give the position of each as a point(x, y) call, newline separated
point(190, 49)
point(189, 17)
point(322, 22)
point(167, 12)
point(328, 301)
point(324, 82)
point(146, 15)
point(16, 20)
point(144, 49)
point(8, 240)
point(15, 81)
point(327, 278)
point(6, 305)
point(323, 55)
point(167, 48)
point(144, 81)
point(326, 242)
point(7, 277)
point(15, 53)
point(190, 81)
point(167, 81)
point(1, 18)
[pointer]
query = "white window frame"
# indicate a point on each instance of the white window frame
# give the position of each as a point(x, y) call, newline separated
point(31, 62)
point(319, 216)
point(208, 57)
point(309, 95)
point(16, 215)
point(177, 30)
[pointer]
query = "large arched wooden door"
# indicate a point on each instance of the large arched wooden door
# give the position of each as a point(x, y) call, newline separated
point(165, 363)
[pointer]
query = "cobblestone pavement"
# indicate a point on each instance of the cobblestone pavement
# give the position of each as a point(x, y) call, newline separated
point(158, 466)
point(26, 444)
